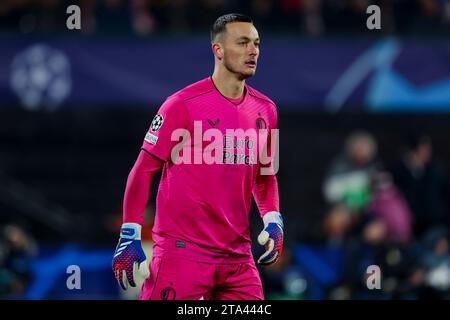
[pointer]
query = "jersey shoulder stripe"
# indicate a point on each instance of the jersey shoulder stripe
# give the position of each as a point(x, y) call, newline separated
point(193, 91)
point(256, 94)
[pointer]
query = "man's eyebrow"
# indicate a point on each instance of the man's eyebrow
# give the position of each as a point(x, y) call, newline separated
point(247, 38)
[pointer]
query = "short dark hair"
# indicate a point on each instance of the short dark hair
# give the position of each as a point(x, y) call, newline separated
point(221, 22)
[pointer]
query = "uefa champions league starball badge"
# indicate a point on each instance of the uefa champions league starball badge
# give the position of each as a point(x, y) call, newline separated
point(156, 123)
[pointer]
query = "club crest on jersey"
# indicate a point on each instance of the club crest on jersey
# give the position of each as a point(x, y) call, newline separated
point(156, 123)
point(260, 122)
point(168, 293)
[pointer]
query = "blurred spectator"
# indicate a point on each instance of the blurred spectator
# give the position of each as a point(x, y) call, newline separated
point(283, 280)
point(144, 17)
point(337, 224)
point(389, 206)
point(361, 251)
point(17, 249)
point(424, 183)
point(313, 20)
point(436, 263)
point(401, 275)
point(348, 179)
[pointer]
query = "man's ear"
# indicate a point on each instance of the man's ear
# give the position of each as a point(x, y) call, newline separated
point(217, 50)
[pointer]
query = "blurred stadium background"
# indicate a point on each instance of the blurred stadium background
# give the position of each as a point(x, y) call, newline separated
point(364, 121)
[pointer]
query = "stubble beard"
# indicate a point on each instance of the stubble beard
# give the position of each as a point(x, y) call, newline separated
point(241, 75)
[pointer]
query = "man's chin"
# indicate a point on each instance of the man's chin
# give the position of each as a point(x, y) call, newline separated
point(247, 74)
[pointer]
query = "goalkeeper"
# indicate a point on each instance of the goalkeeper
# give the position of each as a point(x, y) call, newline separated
point(202, 246)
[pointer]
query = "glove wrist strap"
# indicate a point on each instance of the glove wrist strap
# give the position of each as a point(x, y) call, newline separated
point(273, 217)
point(131, 231)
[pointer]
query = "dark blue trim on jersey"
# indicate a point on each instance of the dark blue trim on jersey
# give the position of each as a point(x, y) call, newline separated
point(157, 158)
point(198, 95)
point(236, 104)
point(262, 98)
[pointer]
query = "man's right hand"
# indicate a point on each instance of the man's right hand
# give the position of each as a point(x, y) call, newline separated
point(129, 256)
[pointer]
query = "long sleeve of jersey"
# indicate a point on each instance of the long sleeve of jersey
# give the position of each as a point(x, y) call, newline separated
point(138, 187)
point(265, 188)
point(265, 193)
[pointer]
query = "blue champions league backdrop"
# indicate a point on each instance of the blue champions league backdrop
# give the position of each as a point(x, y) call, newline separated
point(364, 118)
point(386, 74)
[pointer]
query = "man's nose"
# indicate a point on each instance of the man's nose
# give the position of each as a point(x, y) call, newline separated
point(253, 50)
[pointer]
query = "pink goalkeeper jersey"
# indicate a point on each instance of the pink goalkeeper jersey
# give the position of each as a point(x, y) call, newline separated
point(203, 206)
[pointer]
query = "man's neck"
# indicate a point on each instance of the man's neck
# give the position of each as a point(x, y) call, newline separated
point(228, 85)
